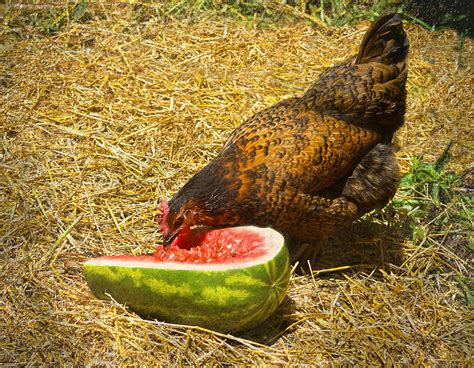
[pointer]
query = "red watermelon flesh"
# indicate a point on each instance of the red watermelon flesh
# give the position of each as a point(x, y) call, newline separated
point(208, 246)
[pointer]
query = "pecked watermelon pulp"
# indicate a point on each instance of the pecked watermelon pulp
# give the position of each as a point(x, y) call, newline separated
point(224, 279)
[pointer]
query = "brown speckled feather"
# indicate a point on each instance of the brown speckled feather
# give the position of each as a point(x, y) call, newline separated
point(308, 165)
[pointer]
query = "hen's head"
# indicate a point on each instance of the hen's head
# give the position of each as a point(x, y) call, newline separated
point(178, 216)
point(207, 199)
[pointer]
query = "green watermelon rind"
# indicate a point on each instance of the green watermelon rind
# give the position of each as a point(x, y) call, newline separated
point(225, 300)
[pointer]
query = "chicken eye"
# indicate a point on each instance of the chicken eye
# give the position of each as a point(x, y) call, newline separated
point(178, 222)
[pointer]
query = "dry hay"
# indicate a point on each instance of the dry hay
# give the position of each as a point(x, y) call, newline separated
point(102, 119)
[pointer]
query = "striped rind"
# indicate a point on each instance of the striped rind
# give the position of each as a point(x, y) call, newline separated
point(221, 299)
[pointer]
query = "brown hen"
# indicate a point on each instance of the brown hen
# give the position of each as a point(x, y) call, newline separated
point(307, 166)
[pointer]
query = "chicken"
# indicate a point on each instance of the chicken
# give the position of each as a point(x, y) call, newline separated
point(309, 165)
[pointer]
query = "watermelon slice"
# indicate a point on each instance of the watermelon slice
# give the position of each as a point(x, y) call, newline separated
point(225, 279)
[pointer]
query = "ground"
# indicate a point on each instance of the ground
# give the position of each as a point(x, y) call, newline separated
point(102, 118)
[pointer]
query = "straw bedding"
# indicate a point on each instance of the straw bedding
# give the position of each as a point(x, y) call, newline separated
point(100, 120)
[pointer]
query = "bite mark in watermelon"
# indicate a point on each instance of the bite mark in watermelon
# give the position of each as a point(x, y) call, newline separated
point(224, 279)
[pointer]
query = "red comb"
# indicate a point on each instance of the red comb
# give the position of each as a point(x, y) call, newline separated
point(163, 209)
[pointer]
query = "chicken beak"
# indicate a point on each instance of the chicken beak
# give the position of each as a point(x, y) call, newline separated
point(168, 239)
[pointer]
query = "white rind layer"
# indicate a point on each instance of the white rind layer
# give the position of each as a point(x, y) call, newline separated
point(271, 239)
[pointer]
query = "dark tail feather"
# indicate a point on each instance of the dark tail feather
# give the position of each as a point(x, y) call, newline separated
point(385, 42)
